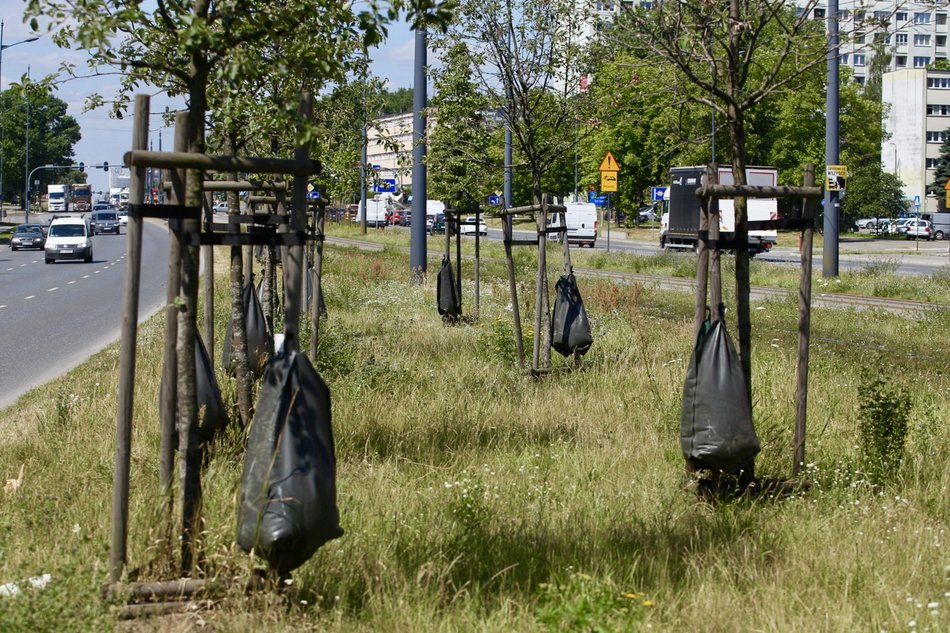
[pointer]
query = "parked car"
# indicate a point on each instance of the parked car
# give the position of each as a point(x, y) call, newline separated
point(104, 222)
point(872, 224)
point(69, 238)
point(438, 225)
point(470, 227)
point(220, 207)
point(899, 226)
point(919, 229)
point(27, 236)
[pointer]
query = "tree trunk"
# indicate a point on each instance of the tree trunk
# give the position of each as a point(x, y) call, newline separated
point(743, 312)
point(242, 374)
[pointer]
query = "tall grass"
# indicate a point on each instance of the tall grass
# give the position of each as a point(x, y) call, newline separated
point(475, 497)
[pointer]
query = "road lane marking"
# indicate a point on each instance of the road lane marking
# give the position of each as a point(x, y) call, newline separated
point(22, 265)
point(96, 272)
point(3, 306)
point(72, 282)
point(30, 297)
point(52, 289)
point(85, 276)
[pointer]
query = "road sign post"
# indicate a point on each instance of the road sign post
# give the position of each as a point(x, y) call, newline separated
point(609, 169)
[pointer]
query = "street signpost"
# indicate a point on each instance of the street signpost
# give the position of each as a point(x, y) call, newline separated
point(657, 194)
point(609, 168)
point(835, 177)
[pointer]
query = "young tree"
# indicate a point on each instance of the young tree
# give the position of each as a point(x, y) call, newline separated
point(941, 175)
point(872, 193)
point(460, 168)
point(729, 56)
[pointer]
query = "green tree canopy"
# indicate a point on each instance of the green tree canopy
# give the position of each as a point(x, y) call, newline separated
point(30, 115)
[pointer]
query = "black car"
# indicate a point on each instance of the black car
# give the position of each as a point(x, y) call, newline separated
point(104, 222)
point(28, 236)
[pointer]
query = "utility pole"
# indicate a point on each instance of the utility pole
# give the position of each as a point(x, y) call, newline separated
point(829, 257)
point(417, 241)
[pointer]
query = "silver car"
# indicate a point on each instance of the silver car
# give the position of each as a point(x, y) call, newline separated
point(27, 236)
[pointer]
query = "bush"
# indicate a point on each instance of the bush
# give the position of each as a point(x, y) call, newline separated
point(884, 416)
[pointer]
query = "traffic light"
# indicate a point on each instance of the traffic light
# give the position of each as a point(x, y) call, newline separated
point(105, 166)
point(82, 166)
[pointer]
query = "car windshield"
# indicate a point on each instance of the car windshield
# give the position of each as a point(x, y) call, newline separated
point(106, 217)
point(28, 228)
point(67, 230)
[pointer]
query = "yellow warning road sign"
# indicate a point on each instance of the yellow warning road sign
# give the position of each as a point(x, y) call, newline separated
point(609, 164)
point(608, 181)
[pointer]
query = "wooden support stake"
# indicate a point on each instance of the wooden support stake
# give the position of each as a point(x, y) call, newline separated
point(804, 329)
point(540, 290)
point(458, 258)
point(316, 298)
point(130, 319)
point(478, 224)
point(702, 267)
point(712, 247)
point(169, 403)
point(506, 223)
point(207, 271)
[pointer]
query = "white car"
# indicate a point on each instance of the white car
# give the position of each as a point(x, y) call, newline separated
point(469, 226)
point(69, 238)
point(872, 224)
point(220, 207)
point(919, 229)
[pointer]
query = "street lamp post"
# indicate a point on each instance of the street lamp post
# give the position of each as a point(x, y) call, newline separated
point(4, 47)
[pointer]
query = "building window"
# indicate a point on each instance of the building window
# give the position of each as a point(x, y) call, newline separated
point(941, 40)
point(932, 163)
point(859, 38)
point(921, 40)
point(938, 110)
point(921, 18)
point(859, 16)
point(901, 16)
point(844, 59)
point(921, 62)
point(941, 18)
point(606, 6)
point(859, 79)
point(859, 59)
point(818, 14)
point(845, 14)
point(940, 83)
point(880, 16)
point(901, 61)
point(936, 137)
point(900, 39)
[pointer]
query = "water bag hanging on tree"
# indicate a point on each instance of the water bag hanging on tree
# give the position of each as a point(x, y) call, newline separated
point(570, 327)
point(450, 307)
point(716, 419)
point(259, 343)
point(288, 489)
point(214, 415)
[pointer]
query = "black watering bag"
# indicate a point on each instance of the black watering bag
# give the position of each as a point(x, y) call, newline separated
point(570, 327)
point(446, 293)
point(716, 419)
point(259, 343)
point(213, 413)
point(288, 489)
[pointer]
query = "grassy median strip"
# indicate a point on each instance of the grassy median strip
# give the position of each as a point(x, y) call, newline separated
point(477, 498)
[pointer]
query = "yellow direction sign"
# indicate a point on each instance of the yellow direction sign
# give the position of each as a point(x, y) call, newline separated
point(608, 181)
point(609, 164)
point(835, 177)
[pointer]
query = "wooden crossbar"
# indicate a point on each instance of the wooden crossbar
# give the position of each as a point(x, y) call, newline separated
point(187, 160)
point(752, 191)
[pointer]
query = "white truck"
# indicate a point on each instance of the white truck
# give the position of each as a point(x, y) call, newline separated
point(376, 211)
point(679, 228)
point(56, 198)
point(581, 219)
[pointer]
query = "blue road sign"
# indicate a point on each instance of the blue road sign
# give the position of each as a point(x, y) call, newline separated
point(494, 200)
point(387, 185)
point(314, 195)
point(657, 193)
point(600, 201)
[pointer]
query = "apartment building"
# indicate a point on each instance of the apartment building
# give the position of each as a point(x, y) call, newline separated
point(918, 116)
point(389, 145)
point(913, 33)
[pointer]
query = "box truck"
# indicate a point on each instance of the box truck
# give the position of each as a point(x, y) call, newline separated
point(679, 228)
point(56, 198)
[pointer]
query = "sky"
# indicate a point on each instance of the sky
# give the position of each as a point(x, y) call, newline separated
point(105, 139)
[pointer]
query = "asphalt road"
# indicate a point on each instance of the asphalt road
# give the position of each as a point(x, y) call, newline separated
point(54, 316)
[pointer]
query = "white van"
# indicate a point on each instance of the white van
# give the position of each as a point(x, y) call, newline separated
point(581, 218)
point(69, 238)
